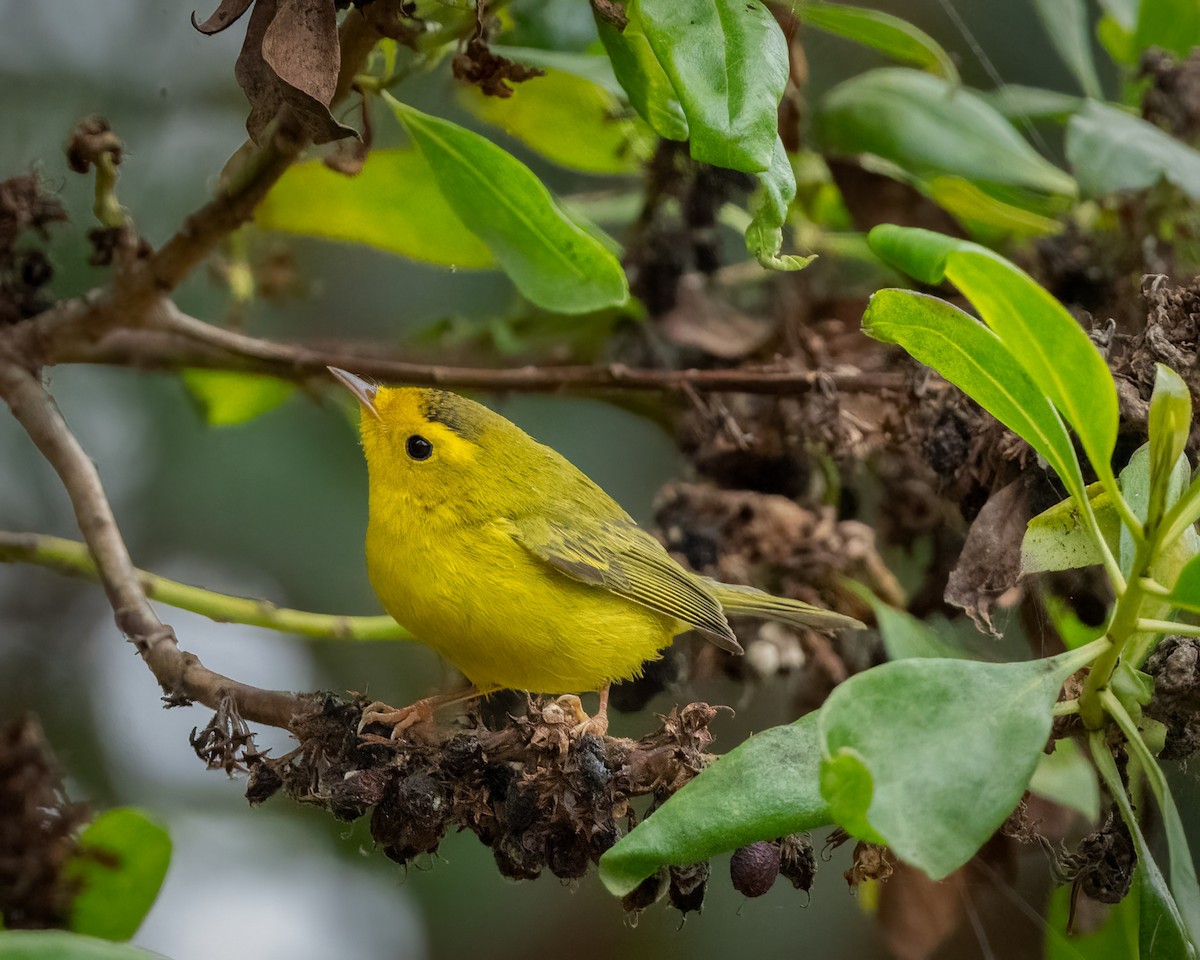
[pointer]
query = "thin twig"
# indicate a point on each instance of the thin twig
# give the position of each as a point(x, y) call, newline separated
point(71, 558)
point(179, 341)
point(180, 674)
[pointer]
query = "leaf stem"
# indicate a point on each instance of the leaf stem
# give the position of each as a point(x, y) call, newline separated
point(1168, 626)
point(72, 558)
point(1064, 708)
point(1124, 624)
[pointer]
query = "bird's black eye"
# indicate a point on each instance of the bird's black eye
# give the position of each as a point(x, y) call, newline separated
point(418, 447)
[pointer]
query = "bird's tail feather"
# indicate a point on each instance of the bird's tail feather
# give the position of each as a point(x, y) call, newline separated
point(738, 600)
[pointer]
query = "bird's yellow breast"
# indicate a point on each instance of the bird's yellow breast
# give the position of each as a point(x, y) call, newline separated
point(502, 616)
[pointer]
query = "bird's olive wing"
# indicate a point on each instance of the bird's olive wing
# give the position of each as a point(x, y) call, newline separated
point(618, 556)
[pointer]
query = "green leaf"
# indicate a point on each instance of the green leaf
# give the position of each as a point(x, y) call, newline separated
point(1117, 41)
point(1186, 591)
point(60, 945)
point(764, 236)
point(1045, 339)
point(1018, 102)
point(763, 789)
point(1057, 538)
point(120, 866)
point(1184, 885)
point(1181, 517)
point(926, 126)
point(1161, 930)
point(566, 119)
point(227, 397)
point(1073, 632)
point(900, 728)
point(648, 87)
point(975, 360)
point(1136, 486)
point(1111, 150)
point(554, 262)
point(881, 31)
point(903, 635)
point(1117, 938)
point(1066, 25)
point(1068, 778)
point(394, 205)
point(728, 63)
point(985, 215)
point(1173, 25)
point(1170, 422)
point(1124, 12)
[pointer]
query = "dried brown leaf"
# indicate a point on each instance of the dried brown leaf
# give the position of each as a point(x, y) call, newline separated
point(300, 47)
point(990, 563)
point(227, 14)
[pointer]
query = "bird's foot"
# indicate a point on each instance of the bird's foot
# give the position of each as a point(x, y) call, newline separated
point(398, 719)
point(597, 725)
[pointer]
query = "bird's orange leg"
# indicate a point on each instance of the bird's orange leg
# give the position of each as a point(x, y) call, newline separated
point(420, 712)
point(598, 724)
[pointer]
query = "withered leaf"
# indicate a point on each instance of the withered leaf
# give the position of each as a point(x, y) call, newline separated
point(227, 14)
point(291, 58)
point(301, 46)
point(990, 562)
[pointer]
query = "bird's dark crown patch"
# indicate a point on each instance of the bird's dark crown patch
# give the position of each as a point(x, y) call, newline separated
point(454, 412)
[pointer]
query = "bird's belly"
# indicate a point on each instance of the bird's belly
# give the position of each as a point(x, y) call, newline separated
point(506, 619)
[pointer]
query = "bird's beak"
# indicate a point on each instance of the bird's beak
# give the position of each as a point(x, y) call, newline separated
point(365, 392)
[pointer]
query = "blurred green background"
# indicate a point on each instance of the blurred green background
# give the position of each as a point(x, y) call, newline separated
point(277, 509)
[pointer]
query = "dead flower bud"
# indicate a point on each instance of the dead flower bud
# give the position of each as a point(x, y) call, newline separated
point(645, 894)
point(412, 819)
point(797, 860)
point(871, 862)
point(688, 886)
point(753, 868)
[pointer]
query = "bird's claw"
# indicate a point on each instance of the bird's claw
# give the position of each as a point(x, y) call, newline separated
point(597, 725)
point(399, 719)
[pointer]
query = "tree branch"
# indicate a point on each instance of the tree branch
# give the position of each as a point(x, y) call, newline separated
point(72, 559)
point(180, 674)
point(178, 340)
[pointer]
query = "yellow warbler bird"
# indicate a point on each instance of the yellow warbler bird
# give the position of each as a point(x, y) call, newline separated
point(499, 554)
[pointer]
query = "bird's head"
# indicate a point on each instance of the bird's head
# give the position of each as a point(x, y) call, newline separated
point(426, 446)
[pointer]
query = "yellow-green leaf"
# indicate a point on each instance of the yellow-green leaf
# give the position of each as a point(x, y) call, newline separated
point(228, 398)
point(567, 119)
point(554, 262)
point(394, 204)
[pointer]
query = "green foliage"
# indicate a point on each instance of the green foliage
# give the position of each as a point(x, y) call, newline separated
point(1066, 23)
point(1059, 538)
point(568, 119)
point(60, 945)
point(1066, 776)
point(975, 359)
point(903, 635)
point(1111, 150)
point(764, 236)
point(227, 398)
point(1037, 331)
point(927, 127)
point(1117, 938)
point(893, 763)
point(394, 204)
point(121, 863)
point(553, 261)
point(761, 790)
point(728, 65)
point(881, 31)
point(650, 90)
point(1161, 929)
